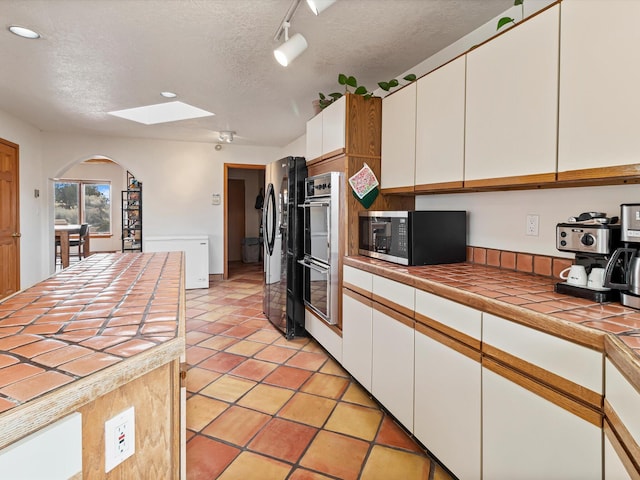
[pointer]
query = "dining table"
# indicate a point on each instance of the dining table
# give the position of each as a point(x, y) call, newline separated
point(62, 233)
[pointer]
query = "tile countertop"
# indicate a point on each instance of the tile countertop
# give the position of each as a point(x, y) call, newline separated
point(527, 299)
point(111, 316)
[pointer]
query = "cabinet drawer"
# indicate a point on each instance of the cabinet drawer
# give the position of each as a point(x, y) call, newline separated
point(357, 280)
point(456, 320)
point(560, 363)
point(394, 294)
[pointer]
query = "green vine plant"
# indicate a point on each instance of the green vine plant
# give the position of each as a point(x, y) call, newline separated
point(505, 20)
point(351, 86)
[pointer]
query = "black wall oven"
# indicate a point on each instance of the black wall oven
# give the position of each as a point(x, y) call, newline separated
point(322, 207)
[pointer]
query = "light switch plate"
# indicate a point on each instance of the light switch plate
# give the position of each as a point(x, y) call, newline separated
point(119, 439)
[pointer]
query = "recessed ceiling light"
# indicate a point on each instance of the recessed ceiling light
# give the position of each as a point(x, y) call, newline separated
point(23, 32)
point(169, 94)
point(161, 113)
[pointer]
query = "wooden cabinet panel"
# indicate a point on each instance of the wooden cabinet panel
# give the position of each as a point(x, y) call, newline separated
point(392, 366)
point(512, 103)
point(440, 107)
point(527, 436)
point(357, 332)
point(447, 405)
point(599, 77)
point(399, 138)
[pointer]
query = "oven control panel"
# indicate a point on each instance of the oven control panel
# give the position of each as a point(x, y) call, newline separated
point(318, 186)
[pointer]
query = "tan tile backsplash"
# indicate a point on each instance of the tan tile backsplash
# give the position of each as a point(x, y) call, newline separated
point(544, 265)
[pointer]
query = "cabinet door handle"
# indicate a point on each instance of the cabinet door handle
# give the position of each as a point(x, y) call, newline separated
point(16, 235)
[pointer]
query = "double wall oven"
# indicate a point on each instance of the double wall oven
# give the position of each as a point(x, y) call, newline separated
point(322, 206)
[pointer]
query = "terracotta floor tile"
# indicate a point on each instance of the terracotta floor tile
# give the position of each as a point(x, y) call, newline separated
point(307, 360)
point(130, 348)
point(193, 338)
point(206, 458)
point(222, 362)
point(237, 425)
point(215, 328)
point(265, 336)
point(245, 347)
point(266, 398)
point(356, 394)
point(288, 377)
point(248, 464)
point(297, 343)
point(198, 378)
point(218, 342)
point(202, 410)
point(331, 367)
point(228, 388)
point(304, 474)
point(337, 455)
point(62, 355)
point(6, 360)
point(325, 385)
point(35, 386)
point(254, 369)
point(240, 331)
point(385, 463)
point(100, 343)
point(195, 354)
point(275, 354)
point(283, 439)
point(83, 366)
point(308, 409)
point(14, 373)
point(44, 328)
point(391, 434)
point(354, 420)
point(9, 343)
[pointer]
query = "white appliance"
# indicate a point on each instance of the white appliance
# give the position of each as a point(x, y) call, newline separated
point(196, 250)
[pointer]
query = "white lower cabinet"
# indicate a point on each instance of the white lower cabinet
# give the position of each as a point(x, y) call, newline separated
point(392, 369)
point(448, 414)
point(614, 468)
point(357, 331)
point(526, 436)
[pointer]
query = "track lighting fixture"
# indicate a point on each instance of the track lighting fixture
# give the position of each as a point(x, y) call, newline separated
point(226, 136)
point(318, 6)
point(291, 48)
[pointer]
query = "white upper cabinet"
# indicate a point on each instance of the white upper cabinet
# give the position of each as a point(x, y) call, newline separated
point(440, 125)
point(512, 102)
point(599, 84)
point(399, 138)
point(314, 137)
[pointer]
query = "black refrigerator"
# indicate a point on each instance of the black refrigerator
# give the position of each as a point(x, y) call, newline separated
point(283, 224)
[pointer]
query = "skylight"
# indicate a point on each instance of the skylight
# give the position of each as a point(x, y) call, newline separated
point(161, 113)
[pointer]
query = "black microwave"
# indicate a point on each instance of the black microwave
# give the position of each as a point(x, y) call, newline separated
point(418, 237)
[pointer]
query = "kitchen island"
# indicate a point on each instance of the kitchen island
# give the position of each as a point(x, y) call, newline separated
point(495, 372)
point(95, 340)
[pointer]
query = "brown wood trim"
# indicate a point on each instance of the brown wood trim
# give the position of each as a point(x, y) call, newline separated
point(554, 381)
point(394, 314)
point(617, 171)
point(539, 178)
point(398, 191)
point(363, 296)
point(586, 413)
point(465, 350)
point(333, 164)
point(429, 187)
point(335, 153)
point(448, 331)
point(392, 305)
point(624, 360)
point(623, 455)
point(620, 432)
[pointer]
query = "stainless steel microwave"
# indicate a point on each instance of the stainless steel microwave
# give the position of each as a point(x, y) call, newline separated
point(419, 237)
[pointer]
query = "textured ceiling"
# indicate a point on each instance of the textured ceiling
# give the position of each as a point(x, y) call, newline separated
point(102, 55)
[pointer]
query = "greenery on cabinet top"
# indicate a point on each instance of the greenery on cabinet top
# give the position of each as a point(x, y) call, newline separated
point(350, 81)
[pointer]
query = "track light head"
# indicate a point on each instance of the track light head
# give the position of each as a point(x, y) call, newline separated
point(318, 6)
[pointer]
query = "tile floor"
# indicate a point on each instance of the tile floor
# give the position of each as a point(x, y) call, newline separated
point(261, 407)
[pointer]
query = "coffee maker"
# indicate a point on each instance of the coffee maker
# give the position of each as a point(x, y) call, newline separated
point(627, 257)
point(593, 237)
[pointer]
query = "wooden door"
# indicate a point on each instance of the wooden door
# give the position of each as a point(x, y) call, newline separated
point(235, 204)
point(9, 220)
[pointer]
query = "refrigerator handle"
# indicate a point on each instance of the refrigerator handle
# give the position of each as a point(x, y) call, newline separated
point(270, 210)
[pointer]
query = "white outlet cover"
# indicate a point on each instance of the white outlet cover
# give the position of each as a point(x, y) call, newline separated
point(119, 439)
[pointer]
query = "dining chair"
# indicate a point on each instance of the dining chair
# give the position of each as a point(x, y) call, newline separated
point(79, 242)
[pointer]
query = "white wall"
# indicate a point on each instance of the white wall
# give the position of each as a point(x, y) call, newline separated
point(178, 180)
point(116, 175)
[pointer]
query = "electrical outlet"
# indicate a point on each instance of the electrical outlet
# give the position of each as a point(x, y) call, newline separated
point(119, 439)
point(532, 225)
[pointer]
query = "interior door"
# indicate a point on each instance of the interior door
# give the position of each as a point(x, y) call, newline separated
point(236, 219)
point(9, 220)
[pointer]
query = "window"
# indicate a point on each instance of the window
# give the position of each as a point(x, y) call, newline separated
point(82, 201)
